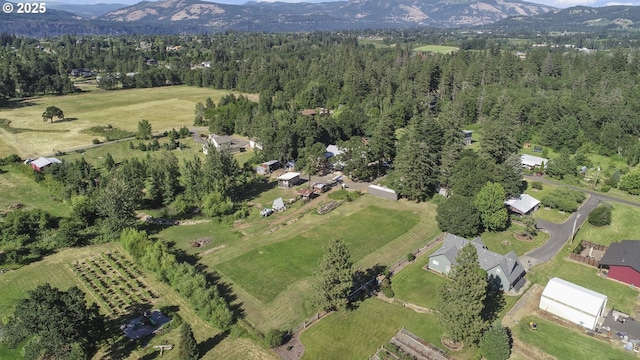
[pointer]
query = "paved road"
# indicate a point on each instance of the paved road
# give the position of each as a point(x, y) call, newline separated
point(561, 233)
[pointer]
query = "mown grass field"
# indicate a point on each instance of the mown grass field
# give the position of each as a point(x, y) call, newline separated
point(624, 226)
point(268, 270)
point(417, 285)
point(441, 49)
point(358, 334)
point(164, 107)
point(566, 343)
point(504, 241)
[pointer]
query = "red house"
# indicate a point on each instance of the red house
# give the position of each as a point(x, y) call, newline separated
point(623, 261)
point(40, 163)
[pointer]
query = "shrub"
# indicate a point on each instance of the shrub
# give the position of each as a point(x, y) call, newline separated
point(274, 338)
point(411, 257)
point(388, 292)
point(536, 185)
point(13, 158)
point(600, 216)
point(605, 188)
point(495, 343)
point(95, 141)
point(564, 199)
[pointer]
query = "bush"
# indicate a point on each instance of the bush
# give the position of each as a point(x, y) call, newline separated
point(411, 257)
point(600, 216)
point(496, 343)
point(13, 158)
point(605, 188)
point(95, 141)
point(564, 199)
point(536, 185)
point(274, 338)
point(388, 292)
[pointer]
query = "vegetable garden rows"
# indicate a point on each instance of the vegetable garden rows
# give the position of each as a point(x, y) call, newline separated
point(113, 281)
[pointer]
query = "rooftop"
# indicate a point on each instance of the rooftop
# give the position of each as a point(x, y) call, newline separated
point(289, 176)
point(523, 203)
point(623, 253)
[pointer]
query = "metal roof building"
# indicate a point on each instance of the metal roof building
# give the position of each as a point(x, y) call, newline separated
point(573, 303)
point(523, 204)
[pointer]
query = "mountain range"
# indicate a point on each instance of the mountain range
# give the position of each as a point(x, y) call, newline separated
point(195, 16)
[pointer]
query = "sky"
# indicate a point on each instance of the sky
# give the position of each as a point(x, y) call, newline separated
point(555, 3)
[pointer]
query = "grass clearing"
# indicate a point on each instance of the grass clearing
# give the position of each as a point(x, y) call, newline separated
point(566, 343)
point(266, 271)
point(18, 187)
point(416, 285)
point(504, 241)
point(624, 226)
point(165, 108)
point(440, 49)
point(362, 331)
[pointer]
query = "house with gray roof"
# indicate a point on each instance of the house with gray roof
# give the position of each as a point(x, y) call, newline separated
point(506, 270)
point(622, 259)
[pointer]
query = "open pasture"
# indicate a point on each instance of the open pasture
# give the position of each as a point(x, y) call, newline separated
point(164, 107)
point(624, 226)
point(267, 270)
point(441, 49)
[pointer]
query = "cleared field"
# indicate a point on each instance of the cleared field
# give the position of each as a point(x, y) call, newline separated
point(18, 187)
point(416, 285)
point(358, 334)
point(165, 108)
point(564, 343)
point(436, 49)
point(624, 226)
point(268, 270)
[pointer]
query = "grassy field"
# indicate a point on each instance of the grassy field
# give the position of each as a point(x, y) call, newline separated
point(165, 108)
point(416, 285)
point(18, 187)
point(441, 49)
point(358, 334)
point(268, 270)
point(566, 343)
point(624, 226)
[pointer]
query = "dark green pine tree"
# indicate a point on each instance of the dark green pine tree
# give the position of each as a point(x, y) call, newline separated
point(383, 141)
point(462, 298)
point(333, 278)
point(499, 135)
point(452, 147)
point(416, 165)
point(188, 346)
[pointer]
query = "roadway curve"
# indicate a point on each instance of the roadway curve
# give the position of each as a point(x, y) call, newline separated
point(561, 233)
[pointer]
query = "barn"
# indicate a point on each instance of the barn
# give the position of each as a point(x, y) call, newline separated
point(40, 163)
point(383, 192)
point(573, 303)
point(623, 261)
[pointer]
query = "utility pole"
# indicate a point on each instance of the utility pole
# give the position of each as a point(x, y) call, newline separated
point(573, 232)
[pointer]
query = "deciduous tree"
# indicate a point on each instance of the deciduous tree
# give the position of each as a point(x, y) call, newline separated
point(144, 130)
point(490, 203)
point(52, 111)
point(462, 298)
point(457, 215)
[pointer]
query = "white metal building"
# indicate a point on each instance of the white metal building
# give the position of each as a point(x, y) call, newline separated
point(573, 303)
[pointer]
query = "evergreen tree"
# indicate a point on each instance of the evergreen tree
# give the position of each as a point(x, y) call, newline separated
point(416, 166)
point(333, 278)
point(383, 141)
point(451, 149)
point(490, 203)
point(499, 136)
point(470, 174)
point(495, 343)
point(462, 298)
point(188, 346)
point(144, 130)
point(109, 163)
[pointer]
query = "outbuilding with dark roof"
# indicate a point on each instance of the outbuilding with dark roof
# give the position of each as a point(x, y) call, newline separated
point(623, 261)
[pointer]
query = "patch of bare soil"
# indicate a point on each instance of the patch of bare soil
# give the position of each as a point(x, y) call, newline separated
point(207, 252)
point(292, 350)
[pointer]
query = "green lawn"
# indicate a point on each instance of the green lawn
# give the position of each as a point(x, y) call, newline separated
point(624, 226)
point(504, 241)
point(441, 49)
point(565, 343)
point(416, 285)
point(267, 270)
point(18, 186)
point(358, 334)
point(165, 108)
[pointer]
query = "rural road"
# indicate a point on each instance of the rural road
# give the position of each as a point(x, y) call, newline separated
point(560, 233)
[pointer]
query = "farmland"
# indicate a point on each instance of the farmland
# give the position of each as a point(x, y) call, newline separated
point(165, 108)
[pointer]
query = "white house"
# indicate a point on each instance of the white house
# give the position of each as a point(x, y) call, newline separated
point(573, 303)
point(531, 162)
point(523, 204)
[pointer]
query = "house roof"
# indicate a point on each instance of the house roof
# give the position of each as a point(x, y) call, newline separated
point(623, 253)
point(224, 139)
point(333, 150)
point(574, 296)
point(487, 259)
point(270, 162)
point(42, 162)
point(308, 112)
point(523, 203)
point(530, 160)
point(385, 189)
point(289, 176)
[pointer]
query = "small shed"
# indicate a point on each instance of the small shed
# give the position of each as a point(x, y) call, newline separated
point(523, 204)
point(268, 167)
point(383, 192)
point(289, 179)
point(467, 136)
point(305, 194)
point(532, 162)
point(573, 303)
point(319, 188)
point(278, 204)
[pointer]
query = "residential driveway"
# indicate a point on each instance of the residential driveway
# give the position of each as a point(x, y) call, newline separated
point(561, 233)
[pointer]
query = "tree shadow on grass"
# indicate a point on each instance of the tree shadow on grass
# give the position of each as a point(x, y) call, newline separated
point(207, 345)
point(255, 190)
point(365, 284)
